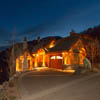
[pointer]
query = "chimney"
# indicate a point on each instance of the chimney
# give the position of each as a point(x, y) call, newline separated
point(25, 43)
point(72, 33)
point(38, 39)
point(25, 39)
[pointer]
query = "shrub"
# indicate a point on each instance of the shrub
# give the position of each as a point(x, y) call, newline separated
point(87, 64)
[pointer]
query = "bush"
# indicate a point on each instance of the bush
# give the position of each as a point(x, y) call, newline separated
point(87, 64)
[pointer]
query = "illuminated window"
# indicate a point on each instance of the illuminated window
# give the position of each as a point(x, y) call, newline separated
point(52, 44)
point(59, 57)
point(53, 57)
point(37, 55)
point(56, 57)
point(33, 54)
point(41, 51)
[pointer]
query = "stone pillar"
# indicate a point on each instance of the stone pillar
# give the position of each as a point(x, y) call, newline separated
point(64, 60)
point(17, 65)
point(25, 63)
point(35, 64)
point(43, 64)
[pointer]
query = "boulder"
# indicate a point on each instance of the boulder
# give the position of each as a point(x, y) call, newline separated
point(87, 64)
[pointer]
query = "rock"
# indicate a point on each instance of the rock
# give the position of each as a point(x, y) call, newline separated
point(87, 63)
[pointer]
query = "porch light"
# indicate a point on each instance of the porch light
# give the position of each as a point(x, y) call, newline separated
point(63, 53)
point(37, 55)
point(41, 51)
point(33, 54)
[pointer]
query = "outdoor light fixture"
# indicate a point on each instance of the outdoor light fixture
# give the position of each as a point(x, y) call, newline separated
point(37, 55)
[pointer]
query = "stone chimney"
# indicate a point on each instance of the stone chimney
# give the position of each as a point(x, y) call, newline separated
point(25, 44)
point(72, 33)
point(38, 39)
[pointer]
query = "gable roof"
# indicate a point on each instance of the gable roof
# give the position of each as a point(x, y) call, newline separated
point(43, 43)
point(64, 44)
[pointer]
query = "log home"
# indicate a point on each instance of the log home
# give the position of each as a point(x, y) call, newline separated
point(59, 54)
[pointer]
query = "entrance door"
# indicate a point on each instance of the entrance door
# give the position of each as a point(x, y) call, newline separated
point(40, 60)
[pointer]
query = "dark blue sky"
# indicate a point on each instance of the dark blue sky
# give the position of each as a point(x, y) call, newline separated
point(34, 18)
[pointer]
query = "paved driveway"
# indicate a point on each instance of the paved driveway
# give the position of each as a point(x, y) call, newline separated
point(55, 85)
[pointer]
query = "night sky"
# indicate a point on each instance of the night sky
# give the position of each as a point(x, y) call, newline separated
point(32, 18)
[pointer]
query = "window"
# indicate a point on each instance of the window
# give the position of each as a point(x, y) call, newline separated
point(56, 57)
point(53, 57)
point(59, 57)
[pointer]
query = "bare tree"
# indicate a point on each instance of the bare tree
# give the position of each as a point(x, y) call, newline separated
point(9, 60)
point(9, 56)
point(93, 50)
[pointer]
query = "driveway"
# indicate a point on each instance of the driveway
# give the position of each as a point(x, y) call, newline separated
point(50, 84)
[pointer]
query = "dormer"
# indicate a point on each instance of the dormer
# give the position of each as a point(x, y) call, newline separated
point(52, 44)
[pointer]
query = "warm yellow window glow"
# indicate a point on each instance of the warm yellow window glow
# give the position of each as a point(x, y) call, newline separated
point(37, 55)
point(35, 64)
point(59, 57)
point(83, 51)
point(52, 44)
point(41, 51)
point(65, 53)
point(33, 54)
point(19, 64)
point(56, 57)
point(53, 57)
point(43, 60)
point(69, 71)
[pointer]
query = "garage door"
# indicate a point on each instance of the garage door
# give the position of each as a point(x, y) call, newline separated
point(56, 63)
